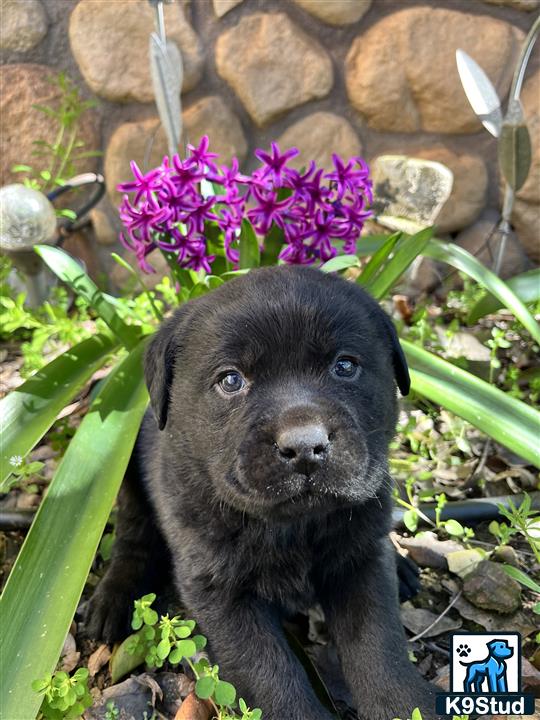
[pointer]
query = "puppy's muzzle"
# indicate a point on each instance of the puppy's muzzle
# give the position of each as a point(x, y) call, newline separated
point(304, 448)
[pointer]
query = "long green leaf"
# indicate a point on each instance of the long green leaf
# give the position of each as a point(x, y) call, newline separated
point(467, 263)
point(407, 249)
point(46, 582)
point(29, 410)
point(70, 272)
point(250, 253)
point(340, 262)
point(526, 286)
point(507, 420)
point(378, 259)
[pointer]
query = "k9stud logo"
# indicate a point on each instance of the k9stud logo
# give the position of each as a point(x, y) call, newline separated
point(485, 676)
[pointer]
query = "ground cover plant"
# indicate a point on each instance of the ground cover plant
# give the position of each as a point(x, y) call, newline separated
point(466, 431)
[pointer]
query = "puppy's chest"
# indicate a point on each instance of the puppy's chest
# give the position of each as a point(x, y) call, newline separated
point(277, 564)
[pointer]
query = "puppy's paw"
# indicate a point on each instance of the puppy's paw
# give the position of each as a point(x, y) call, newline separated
point(108, 613)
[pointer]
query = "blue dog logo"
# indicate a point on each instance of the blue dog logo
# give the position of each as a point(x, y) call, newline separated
point(493, 669)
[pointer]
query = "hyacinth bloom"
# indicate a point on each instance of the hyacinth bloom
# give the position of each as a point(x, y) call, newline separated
point(171, 208)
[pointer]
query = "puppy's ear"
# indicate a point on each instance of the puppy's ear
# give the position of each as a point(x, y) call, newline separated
point(401, 369)
point(159, 361)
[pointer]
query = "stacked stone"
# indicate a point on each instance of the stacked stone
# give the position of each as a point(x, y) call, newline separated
point(345, 76)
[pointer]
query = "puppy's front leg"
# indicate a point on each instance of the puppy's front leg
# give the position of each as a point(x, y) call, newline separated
point(362, 612)
point(247, 641)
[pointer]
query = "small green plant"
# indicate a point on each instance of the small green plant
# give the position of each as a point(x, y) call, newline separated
point(523, 520)
point(111, 712)
point(64, 696)
point(22, 474)
point(67, 148)
point(497, 342)
point(171, 639)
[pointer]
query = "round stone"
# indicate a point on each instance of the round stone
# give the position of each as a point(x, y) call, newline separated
point(411, 83)
point(110, 43)
point(336, 12)
point(318, 136)
point(24, 24)
point(26, 218)
point(272, 65)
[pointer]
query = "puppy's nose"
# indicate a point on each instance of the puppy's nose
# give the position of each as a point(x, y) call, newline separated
point(304, 446)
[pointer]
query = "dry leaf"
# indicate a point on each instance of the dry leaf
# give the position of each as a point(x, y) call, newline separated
point(69, 655)
point(98, 659)
point(194, 709)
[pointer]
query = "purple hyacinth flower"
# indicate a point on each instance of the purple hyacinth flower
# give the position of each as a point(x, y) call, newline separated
point(276, 162)
point(143, 184)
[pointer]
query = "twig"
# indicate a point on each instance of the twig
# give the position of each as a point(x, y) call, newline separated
point(429, 627)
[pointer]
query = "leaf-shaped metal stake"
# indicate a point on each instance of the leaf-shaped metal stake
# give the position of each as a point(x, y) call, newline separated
point(480, 92)
point(515, 147)
point(167, 71)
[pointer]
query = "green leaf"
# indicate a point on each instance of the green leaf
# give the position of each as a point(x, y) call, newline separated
point(67, 213)
point(123, 661)
point(30, 410)
point(453, 527)
point(163, 648)
point(378, 259)
point(273, 242)
point(467, 263)
point(204, 687)
point(250, 254)
point(507, 420)
point(70, 272)
point(523, 579)
point(46, 582)
point(224, 693)
point(186, 647)
point(20, 168)
point(405, 251)
point(410, 520)
point(525, 286)
point(340, 262)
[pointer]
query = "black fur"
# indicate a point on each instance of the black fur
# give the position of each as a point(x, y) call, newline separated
point(251, 538)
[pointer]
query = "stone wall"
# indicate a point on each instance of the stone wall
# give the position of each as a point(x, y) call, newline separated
point(346, 76)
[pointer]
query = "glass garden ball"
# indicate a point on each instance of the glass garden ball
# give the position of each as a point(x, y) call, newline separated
point(26, 218)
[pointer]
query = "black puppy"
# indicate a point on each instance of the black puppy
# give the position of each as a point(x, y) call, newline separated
point(265, 466)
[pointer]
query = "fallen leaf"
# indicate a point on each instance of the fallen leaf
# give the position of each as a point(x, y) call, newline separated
point(462, 562)
point(69, 657)
point(428, 551)
point(530, 676)
point(518, 622)
point(194, 709)
point(98, 659)
point(489, 587)
point(418, 619)
point(150, 682)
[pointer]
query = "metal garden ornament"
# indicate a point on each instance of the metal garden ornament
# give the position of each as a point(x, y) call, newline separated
point(514, 146)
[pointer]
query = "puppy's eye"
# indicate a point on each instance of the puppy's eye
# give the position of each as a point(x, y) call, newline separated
point(346, 368)
point(232, 382)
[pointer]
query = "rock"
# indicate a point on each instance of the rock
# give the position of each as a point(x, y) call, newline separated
point(337, 12)
point(490, 588)
point(463, 562)
point(416, 620)
point(527, 5)
point(463, 345)
point(411, 82)
point(110, 43)
point(474, 239)
point(526, 215)
point(222, 7)
point(211, 116)
point(319, 135)
point(24, 24)
point(130, 141)
point(272, 65)
point(24, 85)
point(104, 230)
point(468, 195)
point(132, 698)
point(428, 551)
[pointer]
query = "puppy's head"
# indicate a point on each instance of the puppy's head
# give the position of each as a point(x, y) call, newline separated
point(278, 391)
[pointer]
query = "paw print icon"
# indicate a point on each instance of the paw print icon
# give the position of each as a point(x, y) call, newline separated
point(463, 650)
